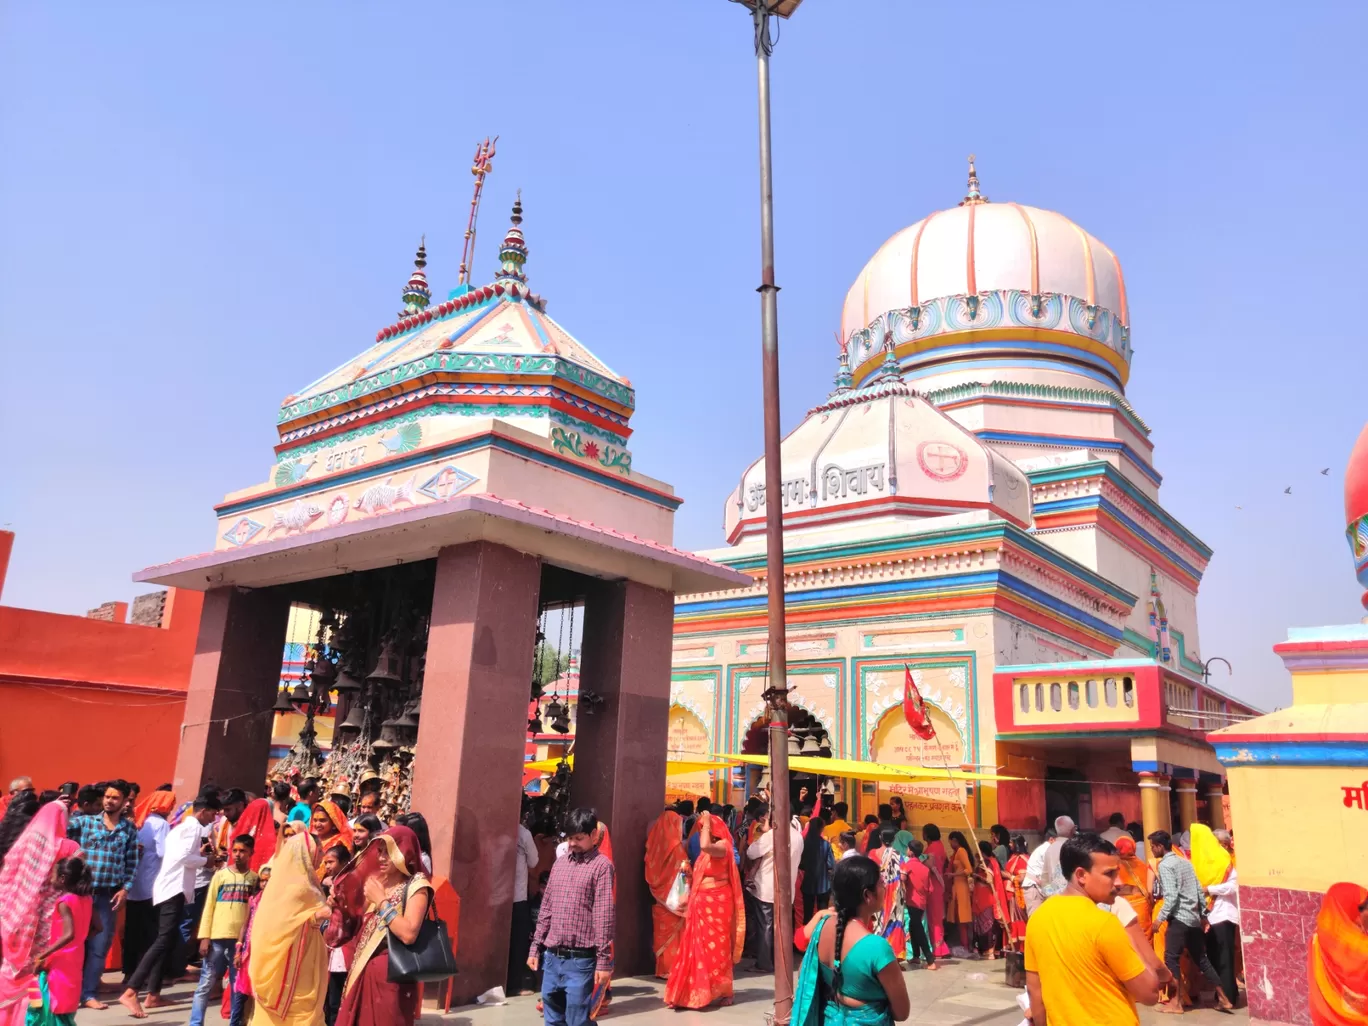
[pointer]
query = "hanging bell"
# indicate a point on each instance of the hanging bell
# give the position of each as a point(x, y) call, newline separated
point(560, 723)
point(407, 721)
point(356, 718)
point(282, 702)
point(386, 666)
point(554, 709)
point(824, 749)
point(300, 694)
point(386, 742)
point(417, 707)
point(809, 746)
point(534, 725)
point(322, 670)
point(346, 683)
point(795, 744)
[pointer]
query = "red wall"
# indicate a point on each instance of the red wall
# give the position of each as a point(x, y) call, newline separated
point(87, 700)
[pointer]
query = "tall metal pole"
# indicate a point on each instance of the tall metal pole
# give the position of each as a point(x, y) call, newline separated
point(776, 694)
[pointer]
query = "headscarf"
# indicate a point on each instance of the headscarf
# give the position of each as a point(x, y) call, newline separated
point(289, 963)
point(1337, 962)
point(339, 820)
point(257, 822)
point(349, 887)
point(1125, 847)
point(664, 852)
point(1210, 861)
point(25, 888)
point(160, 802)
point(902, 842)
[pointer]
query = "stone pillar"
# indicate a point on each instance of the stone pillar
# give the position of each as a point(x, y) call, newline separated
point(1187, 801)
point(468, 774)
point(620, 746)
point(226, 734)
point(1154, 806)
point(1215, 806)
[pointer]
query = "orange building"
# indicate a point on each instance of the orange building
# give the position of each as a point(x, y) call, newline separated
point(91, 697)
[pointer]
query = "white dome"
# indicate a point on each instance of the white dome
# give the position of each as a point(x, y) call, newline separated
point(991, 278)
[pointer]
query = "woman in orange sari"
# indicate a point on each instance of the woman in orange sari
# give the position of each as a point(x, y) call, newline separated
point(1135, 883)
point(664, 854)
point(714, 926)
point(1015, 872)
point(1338, 959)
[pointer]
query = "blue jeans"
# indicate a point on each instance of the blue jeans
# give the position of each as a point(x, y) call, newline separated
point(97, 944)
point(567, 986)
point(216, 963)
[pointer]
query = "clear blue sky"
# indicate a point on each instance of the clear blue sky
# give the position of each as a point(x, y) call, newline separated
point(202, 207)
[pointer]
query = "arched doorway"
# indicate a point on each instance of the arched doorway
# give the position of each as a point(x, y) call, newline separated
point(687, 738)
point(893, 742)
point(809, 735)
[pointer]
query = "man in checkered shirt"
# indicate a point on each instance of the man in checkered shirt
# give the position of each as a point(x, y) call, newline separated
point(573, 942)
point(109, 844)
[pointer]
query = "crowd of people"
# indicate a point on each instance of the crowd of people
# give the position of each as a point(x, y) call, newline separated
point(281, 908)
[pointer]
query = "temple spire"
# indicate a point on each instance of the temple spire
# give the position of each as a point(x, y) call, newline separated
point(416, 291)
point(973, 195)
point(513, 252)
point(843, 376)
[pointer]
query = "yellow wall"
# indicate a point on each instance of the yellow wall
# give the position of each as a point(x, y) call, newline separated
point(1347, 687)
point(894, 742)
point(1292, 829)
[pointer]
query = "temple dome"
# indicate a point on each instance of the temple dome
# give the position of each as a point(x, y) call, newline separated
point(876, 452)
point(999, 283)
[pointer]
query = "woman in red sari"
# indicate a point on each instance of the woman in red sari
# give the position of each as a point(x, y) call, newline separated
point(387, 893)
point(258, 823)
point(938, 862)
point(714, 926)
point(664, 855)
point(1015, 874)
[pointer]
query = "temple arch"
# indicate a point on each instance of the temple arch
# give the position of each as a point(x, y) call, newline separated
point(893, 742)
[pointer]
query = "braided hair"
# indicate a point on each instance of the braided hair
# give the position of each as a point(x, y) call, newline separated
point(855, 878)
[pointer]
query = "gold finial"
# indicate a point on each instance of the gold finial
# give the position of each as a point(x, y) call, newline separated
point(973, 195)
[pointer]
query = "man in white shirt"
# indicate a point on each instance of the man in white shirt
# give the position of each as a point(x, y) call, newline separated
point(1043, 874)
point(174, 888)
point(760, 885)
point(525, 859)
point(140, 921)
point(1224, 918)
point(1116, 828)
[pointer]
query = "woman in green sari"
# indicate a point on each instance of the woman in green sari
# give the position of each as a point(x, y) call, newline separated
point(850, 975)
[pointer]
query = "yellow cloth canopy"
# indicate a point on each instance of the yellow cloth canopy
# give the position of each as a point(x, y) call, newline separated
point(673, 767)
point(869, 770)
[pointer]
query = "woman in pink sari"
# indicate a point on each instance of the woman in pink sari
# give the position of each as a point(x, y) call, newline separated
point(938, 862)
point(27, 899)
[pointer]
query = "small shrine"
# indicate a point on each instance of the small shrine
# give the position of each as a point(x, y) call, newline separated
point(1302, 772)
point(431, 501)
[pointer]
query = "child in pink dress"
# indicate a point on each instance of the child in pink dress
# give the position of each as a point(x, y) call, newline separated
point(60, 961)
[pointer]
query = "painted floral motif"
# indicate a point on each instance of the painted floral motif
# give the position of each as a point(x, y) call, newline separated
point(608, 457)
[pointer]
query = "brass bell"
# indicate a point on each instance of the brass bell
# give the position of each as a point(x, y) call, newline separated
point(282, 702)
point(346, 683)
point(795, 744)
point(322, 670)
point(809, 746)
point(300, 694)
point(386, 666)
point(386, 742)
point(554, 709)
point(356, 718)
point(407, 721)
point(534, 725)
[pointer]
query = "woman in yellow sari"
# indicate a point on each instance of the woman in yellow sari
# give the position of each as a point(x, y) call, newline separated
point(289, 967)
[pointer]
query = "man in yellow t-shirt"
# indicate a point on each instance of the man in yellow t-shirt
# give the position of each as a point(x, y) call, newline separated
point(838, 824)
point(1081, 968)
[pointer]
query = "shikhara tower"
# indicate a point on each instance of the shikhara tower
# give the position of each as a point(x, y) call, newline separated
point(977, 500)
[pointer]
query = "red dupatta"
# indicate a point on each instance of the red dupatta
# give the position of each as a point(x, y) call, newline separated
point(257, 822)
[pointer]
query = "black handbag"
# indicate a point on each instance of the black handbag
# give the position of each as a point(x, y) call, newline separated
point(429, 958)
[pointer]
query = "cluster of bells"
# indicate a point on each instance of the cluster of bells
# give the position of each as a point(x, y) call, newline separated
point(327, 677)
point(557, 713)
point(811, 741)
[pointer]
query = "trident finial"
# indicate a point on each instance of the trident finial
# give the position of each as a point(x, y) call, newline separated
point(480, 168)
point(972, 195)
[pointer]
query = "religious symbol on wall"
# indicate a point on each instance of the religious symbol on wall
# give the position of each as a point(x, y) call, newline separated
point(943, 461)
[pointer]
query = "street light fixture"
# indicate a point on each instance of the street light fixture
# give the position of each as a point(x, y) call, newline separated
point(776, 692)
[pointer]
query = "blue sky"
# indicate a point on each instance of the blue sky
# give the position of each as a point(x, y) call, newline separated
point(205, 207)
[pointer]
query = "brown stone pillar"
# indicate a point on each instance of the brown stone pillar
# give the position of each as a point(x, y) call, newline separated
point(226, 734)
point(620, 746)
point(467, 779)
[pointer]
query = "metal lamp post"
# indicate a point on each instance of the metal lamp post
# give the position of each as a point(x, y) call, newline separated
point(776, 694)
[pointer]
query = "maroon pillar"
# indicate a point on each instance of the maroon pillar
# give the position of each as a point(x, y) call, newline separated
point(467, 779)
point(226, 735)
point(620, 747)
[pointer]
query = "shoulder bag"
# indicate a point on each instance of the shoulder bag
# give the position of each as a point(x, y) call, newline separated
point(429, 958)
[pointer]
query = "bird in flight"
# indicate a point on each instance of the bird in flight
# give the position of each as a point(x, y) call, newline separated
point(1325, 472)
point(1287, 490)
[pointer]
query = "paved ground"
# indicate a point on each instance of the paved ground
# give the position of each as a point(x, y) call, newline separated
point(959, 994)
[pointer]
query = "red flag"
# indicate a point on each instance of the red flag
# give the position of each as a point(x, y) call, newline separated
point(914, 709)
